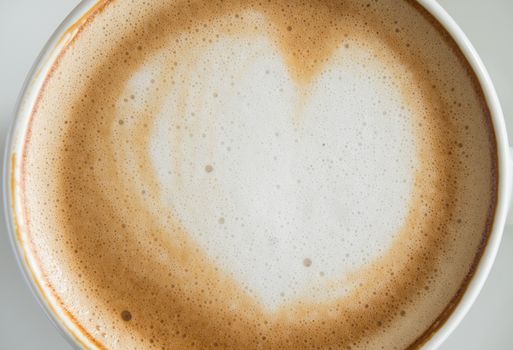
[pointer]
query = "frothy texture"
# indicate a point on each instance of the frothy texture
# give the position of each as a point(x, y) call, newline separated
point(246, 174)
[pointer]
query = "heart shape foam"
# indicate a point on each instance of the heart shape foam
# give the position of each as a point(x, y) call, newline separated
point(288, 188)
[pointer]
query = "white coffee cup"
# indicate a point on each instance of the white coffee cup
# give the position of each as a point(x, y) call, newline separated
point(505, 161)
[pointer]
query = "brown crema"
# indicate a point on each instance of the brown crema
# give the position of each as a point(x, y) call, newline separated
point(127, 281)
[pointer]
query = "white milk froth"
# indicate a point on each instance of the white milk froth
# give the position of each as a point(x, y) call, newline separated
point(244, 174)
point(264, 173)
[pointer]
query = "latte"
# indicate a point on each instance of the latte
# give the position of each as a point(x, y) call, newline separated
point(257, 174)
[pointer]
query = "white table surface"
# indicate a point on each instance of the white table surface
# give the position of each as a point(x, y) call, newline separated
point(25, 25)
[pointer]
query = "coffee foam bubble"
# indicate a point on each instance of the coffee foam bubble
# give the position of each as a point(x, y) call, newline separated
point(245, 175)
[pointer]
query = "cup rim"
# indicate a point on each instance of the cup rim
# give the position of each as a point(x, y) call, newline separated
point(16, 130)
point(487, 258)
point(64, 33)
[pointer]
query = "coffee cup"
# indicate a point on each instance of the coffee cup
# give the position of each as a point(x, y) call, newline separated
point(308, 256)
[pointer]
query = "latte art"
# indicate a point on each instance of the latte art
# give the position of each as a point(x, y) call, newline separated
point(257, 175)
point(245, 160)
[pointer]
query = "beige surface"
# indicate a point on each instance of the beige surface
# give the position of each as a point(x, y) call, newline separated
point(26, 24)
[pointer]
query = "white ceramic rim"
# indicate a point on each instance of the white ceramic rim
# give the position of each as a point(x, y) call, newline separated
point(63, 35)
